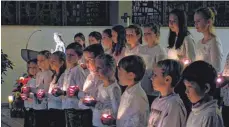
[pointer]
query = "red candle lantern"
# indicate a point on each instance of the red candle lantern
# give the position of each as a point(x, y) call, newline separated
point(40, 94)
point(73, 90)
point(25, 89)
point(107, 119)
point(89, 101)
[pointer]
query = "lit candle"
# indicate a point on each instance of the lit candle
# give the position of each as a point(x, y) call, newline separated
point(10, 99)
point(89, 101)
point(186, 61)
point(40, 93)
point(219, 79)
point(72, 90)
point(107, 119)
point(25, 89)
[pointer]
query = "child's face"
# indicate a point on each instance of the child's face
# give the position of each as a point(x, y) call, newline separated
point(125, 78)
point(92, 40)
point(55, 63)
point(158, 80)
point(32, 69)
point(149, 36)
point(106, 40)
point(131, 37)
point(101, 70)
point(200, 23)
point(79, 40)
point(90, 61)
point(173, 23)
point(114, 36)
point(192, 91)
point(43, 62)
point(71, 57)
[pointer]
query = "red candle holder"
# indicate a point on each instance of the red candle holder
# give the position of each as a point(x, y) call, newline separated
point(56, 92)
point(89, 101)
point(73, 90)
point(107, 119)
point(186, 61)
point(40, 94)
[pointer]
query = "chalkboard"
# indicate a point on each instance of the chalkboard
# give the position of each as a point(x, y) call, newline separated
point(55, 13)
point(144, 12)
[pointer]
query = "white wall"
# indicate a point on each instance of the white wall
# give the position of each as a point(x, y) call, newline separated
point(14, 38)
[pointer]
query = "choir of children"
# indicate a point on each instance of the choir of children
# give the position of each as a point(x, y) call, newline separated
point(116, 58)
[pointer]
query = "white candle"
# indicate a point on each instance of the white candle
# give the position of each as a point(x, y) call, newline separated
point(128, 21)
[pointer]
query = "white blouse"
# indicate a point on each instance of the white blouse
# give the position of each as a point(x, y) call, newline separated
point(73, 76)
point(187, 50)
point(108, 99)
point(211, 52)
point(134, 51)
point(134, 108)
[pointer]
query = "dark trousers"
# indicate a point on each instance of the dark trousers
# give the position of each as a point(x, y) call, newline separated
point(56, 118)
point(41, 118)
point(78, 118)
point(28, 118)
point(225, 115)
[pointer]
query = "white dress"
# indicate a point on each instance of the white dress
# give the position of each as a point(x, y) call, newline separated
point(134, 51)
point(29, 103)
point(134, 108)
point(211, 52)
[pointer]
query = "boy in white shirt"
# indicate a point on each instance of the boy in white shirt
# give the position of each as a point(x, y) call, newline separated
point(134, 106)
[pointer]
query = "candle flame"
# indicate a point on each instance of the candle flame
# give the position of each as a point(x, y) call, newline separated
point(10, 98)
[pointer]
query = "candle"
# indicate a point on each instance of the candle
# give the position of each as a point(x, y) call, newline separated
point(73, 90)
point(56, 92)
point(186, 61)
point(40, 94)
point(219, 79)
point(128, 21)
point(10, 99)
point(89, 101)
point(25, 89)
point(107, 119)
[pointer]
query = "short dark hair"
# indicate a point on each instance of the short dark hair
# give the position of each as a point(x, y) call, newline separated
point(134, 64)
point(108, 32)
point(96, 49)
point(32, 61)
point(171, 68)
point(76, 47)
point(45, 53)
point(80, 35)
point(97, 35)
point(202, 73)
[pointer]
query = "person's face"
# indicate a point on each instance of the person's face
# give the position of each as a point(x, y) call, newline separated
point(90, 61)
point(125, 78)
point(131, 37)
point(191, 91)
point(71, 58)
point(79, 40)
point(32, 69)
point(92, 40)
point(200, 23)
point(43, 62)
point(114, 36)
point(158, 80)
point(173, 23)
point(106, 40)
point(101, 70)
point(149, 36)
point(55, 63)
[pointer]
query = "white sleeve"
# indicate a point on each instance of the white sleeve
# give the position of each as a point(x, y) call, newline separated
point(190, 51)
point(216, 55)
point(115, 96)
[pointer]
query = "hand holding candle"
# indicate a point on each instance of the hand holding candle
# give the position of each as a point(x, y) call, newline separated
point(107, 119)
point(186, 61)
point(40, 94)
point(89, 101)
point(73, 91)
point(57, 92)
point(219, 79)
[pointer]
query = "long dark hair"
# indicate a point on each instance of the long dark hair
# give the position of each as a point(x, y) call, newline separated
point(82, 37)
point(62, 58)
point(183, 29)
point(121, 40)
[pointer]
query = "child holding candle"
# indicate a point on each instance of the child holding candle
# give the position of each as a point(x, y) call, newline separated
point(92, 82)
point(56, 114)
point(32, 69)
point(134, 106)
point(73, 76)
point(43, 80)
point(200, 87)
point(168, 109)
point(109, 92)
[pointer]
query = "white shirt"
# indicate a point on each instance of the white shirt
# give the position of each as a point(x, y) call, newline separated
point(134, 108)
point(211, 52)
point(134, 51)
point(187, 50)
point(73, 76)
point(32, 84)
point(108, 100)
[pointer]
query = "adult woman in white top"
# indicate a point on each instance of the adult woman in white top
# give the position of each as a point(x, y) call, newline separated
point(180, 42)
point(209, 48)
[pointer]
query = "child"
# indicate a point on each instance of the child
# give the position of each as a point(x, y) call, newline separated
point(107, 41)
point(109, 92)
point(134, 107)
point(56, 114)
point(80, 38)
point(200, 82)
point(43, 80)
point(151, 53)
point(95, 38)
point(28, 104)
point(209, 48)
point(73, 75)
point(168, 109)
point(134, 39)
point(92, 82)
